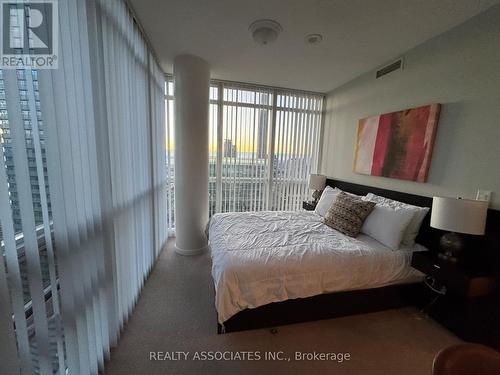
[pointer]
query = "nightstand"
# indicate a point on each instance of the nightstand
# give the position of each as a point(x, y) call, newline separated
point(468, 280)
point(468, 306)
point(309, 205)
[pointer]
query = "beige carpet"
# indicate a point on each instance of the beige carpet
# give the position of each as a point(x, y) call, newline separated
point(176, 313)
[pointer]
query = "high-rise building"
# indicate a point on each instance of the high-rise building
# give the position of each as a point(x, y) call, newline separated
point(6, 144)
point(9, 166)
point(262, 134)
point(229, 149)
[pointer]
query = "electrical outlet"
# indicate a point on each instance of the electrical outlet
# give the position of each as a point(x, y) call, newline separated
point(483, 195)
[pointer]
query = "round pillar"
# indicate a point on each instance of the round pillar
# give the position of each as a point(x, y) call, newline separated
point(191, 89)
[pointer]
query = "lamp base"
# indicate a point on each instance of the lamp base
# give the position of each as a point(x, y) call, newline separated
point(452, 246)
point(316, 195)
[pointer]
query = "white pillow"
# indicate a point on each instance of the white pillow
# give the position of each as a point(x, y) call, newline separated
point(413, 228)
point(327, 198)
point(387, 225)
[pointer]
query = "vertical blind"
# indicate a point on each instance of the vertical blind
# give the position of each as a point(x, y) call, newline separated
point(245, 162)
point(213, 156)
point(263, 144)
point(93, 133)
point(296, 145)
point(169, 117)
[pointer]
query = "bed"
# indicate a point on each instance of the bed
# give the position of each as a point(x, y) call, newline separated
point(269, 264)
point(265, 257)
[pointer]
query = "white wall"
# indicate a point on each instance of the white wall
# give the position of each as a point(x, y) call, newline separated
point(459, 69)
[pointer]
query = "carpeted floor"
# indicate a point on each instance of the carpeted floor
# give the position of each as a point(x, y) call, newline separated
point(176, 313)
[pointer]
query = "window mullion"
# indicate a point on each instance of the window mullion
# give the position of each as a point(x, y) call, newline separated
point(321, 134)
point(218, 169)
point(270, 166)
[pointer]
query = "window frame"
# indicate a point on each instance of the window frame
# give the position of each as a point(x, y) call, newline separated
point(220, 101)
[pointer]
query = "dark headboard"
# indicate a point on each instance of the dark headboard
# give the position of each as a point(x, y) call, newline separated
point(429, 237)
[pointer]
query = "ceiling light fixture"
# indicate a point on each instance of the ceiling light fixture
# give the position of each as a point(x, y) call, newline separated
point(313, 39)
point(265, 31)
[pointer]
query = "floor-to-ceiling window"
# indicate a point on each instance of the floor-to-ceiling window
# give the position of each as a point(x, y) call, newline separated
point(296, 147)
point(23, 261)
point(263, 144)
point(244, 156)
point(170, 149)
point(212, 149)
point(73, 261)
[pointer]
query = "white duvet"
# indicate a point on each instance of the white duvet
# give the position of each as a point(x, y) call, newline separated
point(264, 257)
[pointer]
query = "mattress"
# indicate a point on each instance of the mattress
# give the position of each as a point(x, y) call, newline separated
point(264, 257)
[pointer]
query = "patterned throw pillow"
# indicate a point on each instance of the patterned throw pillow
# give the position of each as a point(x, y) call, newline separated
point(347, 214)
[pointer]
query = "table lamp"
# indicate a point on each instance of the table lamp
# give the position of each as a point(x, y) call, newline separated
point(317, 183)
point(457, 215)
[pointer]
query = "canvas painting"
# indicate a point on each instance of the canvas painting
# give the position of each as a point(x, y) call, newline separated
point(398, 144)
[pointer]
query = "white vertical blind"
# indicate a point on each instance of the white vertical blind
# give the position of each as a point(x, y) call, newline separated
point(37, 129)
point(10, 364)
point(94, 131)
point(9, 250)
point(263, 144)
point(244, 163)
point(159, 141)
point(296, 147)
point(213, 149)
point(169, 113)
point(23, 183)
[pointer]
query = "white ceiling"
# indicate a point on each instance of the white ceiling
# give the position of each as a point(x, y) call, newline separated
point(359, 35)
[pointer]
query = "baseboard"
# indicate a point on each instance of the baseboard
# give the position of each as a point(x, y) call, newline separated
point(190, 252)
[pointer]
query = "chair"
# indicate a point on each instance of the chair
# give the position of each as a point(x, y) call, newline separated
point(467, 359)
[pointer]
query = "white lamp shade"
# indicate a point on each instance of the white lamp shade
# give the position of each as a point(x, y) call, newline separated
point(317, 182)
point(459, 215)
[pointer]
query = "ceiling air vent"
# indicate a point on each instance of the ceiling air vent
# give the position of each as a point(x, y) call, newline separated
point(396, 65)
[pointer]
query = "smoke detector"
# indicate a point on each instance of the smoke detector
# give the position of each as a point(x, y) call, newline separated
point(265, 31)
point(313, 39)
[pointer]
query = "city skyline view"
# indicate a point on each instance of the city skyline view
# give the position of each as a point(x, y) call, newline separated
point(246, 181)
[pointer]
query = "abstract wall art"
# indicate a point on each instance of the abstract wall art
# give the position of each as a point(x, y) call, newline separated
point(398, 144)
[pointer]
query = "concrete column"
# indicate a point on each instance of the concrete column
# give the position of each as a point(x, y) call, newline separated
point(191, 87)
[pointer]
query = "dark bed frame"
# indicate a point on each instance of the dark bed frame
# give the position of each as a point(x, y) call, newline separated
point(338, 304)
